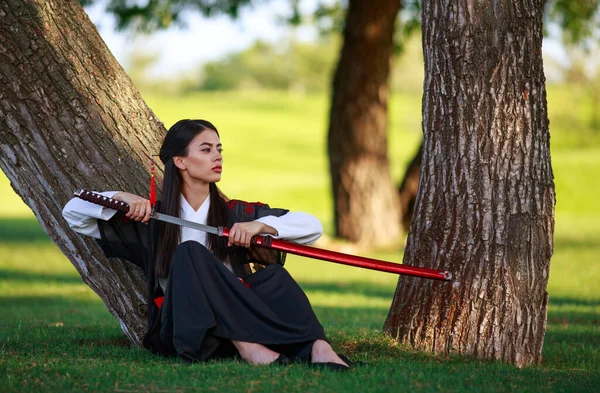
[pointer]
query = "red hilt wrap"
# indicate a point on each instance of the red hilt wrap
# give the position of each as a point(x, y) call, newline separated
point(101, 200)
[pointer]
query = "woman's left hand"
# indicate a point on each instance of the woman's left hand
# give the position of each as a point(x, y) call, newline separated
point(241, 233)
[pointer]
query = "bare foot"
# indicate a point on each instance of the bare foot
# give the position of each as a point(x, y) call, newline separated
point(323, 353)
point(255, 353)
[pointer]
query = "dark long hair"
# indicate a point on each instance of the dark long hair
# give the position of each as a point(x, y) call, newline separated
point(176, 144)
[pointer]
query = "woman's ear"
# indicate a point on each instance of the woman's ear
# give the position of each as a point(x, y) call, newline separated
point(178, 161)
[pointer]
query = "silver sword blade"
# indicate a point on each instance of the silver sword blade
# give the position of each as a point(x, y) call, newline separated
point(185, 223)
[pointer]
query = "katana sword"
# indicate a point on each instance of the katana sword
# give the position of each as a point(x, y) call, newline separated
point(281, 245)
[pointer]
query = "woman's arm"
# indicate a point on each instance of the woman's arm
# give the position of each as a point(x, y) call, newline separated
point(298, 227)
point(82, 215)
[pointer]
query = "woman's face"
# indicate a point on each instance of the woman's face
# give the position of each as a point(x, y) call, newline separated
point(204, 160)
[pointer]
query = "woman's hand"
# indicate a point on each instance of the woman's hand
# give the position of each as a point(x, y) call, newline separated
point(139, 208)
point(241, 233)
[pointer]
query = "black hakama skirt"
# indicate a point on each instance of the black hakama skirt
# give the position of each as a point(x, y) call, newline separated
point(206, 306)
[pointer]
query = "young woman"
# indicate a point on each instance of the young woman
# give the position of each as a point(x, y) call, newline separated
point(212, 305)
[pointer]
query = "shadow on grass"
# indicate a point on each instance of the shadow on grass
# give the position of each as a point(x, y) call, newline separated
point(20, 275)
point(351, 319)
point(579, 318)
point(561, 312)
point(573, 335)
point(22, 230)
point(364, 288)
point(22, 311)
point(569, 301)
point(50, 325)
point(584, 242)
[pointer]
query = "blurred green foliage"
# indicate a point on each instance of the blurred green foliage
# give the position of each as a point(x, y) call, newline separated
point(290, 65)
point(578, 19)
point(151, 15)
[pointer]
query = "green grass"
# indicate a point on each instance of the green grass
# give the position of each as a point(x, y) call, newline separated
point(56, 334)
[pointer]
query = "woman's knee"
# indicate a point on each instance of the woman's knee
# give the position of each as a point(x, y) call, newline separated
point(280, 271)
point(190, 247)
point(191, 252)
point(274, 271)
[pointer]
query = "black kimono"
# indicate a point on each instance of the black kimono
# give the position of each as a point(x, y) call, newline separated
point(206, 306)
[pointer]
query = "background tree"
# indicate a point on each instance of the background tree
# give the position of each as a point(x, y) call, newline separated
point(366, 204)
point(485, 207)
point(583, 70)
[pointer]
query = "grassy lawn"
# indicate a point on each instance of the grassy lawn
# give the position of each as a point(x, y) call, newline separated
point(56, 334)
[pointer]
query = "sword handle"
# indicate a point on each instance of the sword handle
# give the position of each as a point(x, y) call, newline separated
point(257, 240)
point(101, 200)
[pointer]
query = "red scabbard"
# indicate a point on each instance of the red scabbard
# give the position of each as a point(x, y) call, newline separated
point(347, 259)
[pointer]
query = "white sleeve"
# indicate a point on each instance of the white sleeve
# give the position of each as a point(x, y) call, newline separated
point(82, 215)
point(295, 226)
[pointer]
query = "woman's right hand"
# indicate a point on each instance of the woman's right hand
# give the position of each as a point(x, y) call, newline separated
point(139, 208)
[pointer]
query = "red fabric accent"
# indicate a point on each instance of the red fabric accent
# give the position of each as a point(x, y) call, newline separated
point(152, 186)
point(248, 206)
point(159, 301)
point(244, 282)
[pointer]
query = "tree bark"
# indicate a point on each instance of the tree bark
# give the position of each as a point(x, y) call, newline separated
point(485, 206)
point(366, 203)
point(71, 118)
point(409, 187)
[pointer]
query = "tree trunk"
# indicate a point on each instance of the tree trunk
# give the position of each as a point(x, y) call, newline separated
point(409, 187)
point(485, 207)
point(366, 203)
point(71, 118)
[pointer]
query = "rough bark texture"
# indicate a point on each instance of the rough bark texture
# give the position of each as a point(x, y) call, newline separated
point(485, 207)
point(366, 202)
point(409, 187)
point(71, 118)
